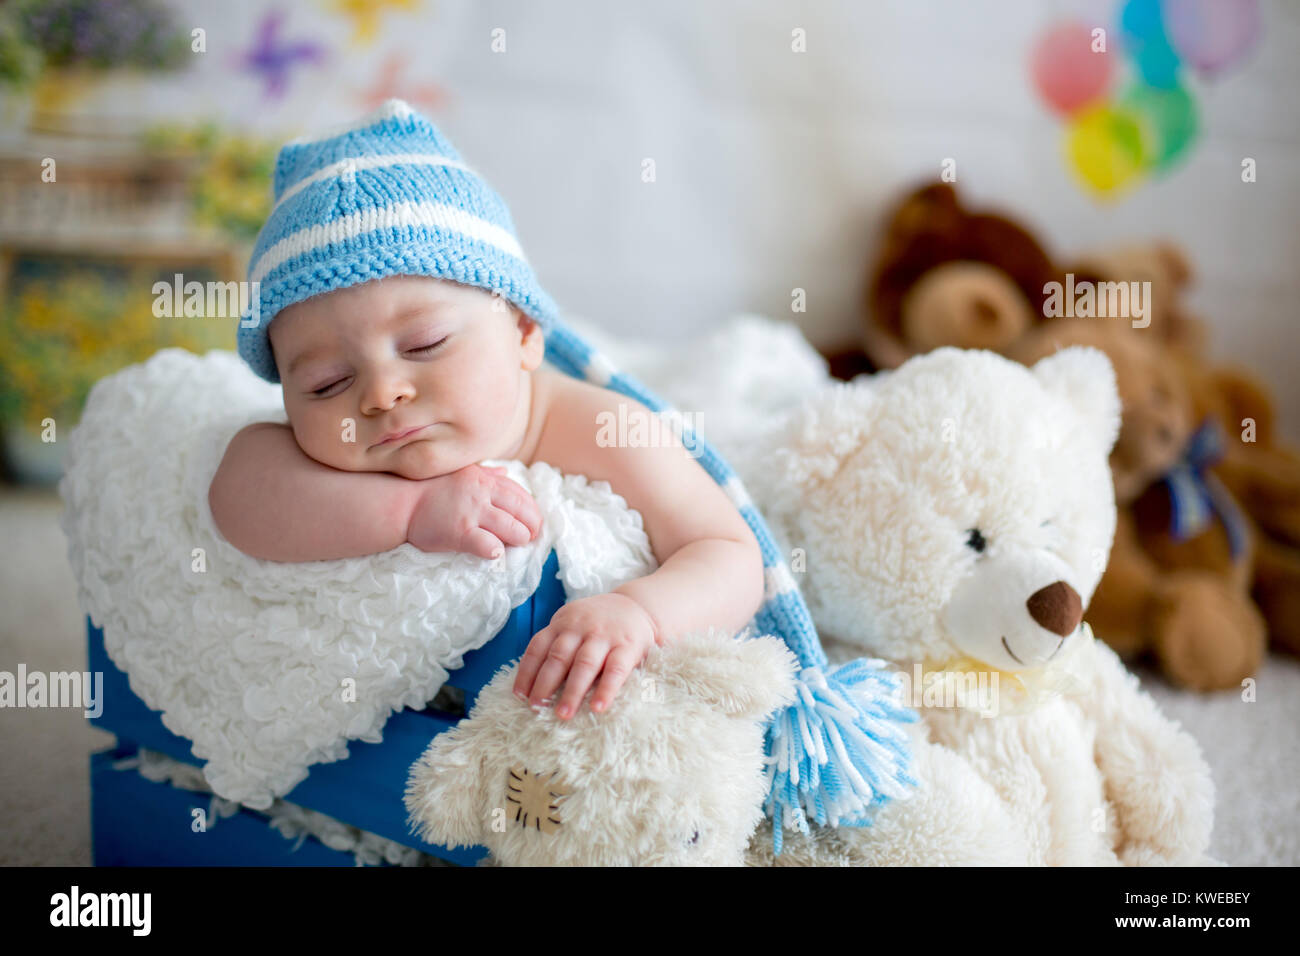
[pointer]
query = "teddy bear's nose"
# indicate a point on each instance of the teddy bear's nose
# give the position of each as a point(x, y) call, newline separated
point(1056, 608)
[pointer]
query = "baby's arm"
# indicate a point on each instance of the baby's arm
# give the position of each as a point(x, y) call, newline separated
point(710, 573)
point(272, 501)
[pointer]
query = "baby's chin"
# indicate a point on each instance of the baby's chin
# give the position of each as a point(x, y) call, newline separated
point(416, 460)
point(428, 458)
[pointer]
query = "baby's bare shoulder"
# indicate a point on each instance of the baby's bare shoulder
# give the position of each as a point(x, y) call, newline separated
point(608, 436)
point(581, 428)
point(575, 393)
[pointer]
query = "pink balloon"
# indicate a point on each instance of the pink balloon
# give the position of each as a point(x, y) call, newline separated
point(1067, 72)
point(1211, 35)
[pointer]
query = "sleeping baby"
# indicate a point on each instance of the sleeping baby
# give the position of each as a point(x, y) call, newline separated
point(395, 308)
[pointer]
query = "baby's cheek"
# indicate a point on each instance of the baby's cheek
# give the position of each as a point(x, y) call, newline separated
point(332, 441)
point(331, 450)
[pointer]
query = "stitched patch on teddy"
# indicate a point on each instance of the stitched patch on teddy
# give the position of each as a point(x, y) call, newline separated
point(535, 799)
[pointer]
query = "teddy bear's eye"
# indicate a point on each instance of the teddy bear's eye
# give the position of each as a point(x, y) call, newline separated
point(695, 838)
point(975, 541)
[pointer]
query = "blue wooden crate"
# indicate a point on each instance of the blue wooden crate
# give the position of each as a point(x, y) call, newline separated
point(366, 790)
point(140, 822)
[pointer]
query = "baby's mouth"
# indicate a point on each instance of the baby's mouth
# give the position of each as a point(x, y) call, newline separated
point(401, 435)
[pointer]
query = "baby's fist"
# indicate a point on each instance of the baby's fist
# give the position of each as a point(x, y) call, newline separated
point(475, 510)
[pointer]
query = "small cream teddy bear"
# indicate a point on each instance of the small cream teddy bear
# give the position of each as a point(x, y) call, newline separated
point(671, 774)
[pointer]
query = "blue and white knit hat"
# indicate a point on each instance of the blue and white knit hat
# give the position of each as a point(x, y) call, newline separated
point(389, 195)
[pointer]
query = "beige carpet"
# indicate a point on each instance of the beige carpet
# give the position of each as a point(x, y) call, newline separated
point(1253, 748)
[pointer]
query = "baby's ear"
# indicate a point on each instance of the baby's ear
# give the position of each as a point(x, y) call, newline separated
point(742, 678)
point(531, 339)
point(445, 796)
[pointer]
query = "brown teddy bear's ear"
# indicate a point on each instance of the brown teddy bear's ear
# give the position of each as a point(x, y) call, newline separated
point(1085, 378)
point(742, 678)
point(445, 797)
point(929, 208)
point(1176, 264)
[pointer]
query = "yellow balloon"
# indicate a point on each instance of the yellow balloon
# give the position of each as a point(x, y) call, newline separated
point(1104, 148)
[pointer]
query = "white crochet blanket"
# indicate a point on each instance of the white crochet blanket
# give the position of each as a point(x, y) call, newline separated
point(252, 660)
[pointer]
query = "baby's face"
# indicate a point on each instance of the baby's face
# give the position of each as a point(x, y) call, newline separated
point(401, 353)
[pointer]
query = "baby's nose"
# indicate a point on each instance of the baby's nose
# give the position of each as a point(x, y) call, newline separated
point(385, 392)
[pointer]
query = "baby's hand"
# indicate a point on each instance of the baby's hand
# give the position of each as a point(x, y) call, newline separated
point(609, 632)
point(475, 510)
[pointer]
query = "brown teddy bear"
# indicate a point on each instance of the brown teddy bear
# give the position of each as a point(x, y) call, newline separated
point(1262, 473)
point(946, 275)
point(1178, 580)
point(1264, 476)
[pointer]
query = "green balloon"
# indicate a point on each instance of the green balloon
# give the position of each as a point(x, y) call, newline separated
point(1168, 121)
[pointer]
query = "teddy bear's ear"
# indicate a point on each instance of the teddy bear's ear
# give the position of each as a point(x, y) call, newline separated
point(1175, 262)
point(1085, 378)
point(746, 678)
point(927, 208)
point(444, 792)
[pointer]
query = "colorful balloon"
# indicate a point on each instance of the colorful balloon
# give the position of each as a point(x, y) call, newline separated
point(1142, 32)
point(1167, 121)
point(1150, 125)
point(1067, 72)
point(1212, 35)
point(1104, 147)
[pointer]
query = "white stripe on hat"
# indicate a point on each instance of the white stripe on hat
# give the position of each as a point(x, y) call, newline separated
point(737, 493)
point(437, 215)
point(599, 369)
point(777, 581)
point(345, 166)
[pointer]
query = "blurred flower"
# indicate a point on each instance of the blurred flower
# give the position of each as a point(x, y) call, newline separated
point(20, 62)
point(232, 179)
point(63, 334)
point(100, 33)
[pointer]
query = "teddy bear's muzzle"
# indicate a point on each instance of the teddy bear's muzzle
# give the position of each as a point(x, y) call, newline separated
point(1014, 610)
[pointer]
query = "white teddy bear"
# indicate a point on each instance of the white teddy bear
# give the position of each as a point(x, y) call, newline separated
point(952, 516)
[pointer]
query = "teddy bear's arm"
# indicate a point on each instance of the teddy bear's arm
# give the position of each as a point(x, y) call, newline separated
point(1155, 777)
